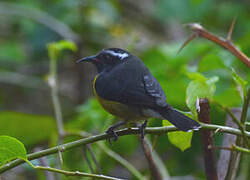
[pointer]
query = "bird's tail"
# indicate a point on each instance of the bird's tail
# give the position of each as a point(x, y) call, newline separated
point(179, 120)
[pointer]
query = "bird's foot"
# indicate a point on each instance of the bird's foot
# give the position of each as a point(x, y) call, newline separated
point(142, 128)
point(112, 135)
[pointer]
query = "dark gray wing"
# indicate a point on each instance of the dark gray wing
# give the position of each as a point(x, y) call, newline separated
point(131, 83)
point(154, 89)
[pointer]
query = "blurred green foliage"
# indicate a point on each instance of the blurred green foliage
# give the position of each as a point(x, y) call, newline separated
point(25, 127)
point(153, 31)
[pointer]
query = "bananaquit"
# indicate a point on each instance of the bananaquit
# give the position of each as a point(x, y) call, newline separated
point(125, 88)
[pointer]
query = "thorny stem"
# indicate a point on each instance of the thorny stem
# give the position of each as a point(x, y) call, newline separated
point(225, 43)
point(127, 131)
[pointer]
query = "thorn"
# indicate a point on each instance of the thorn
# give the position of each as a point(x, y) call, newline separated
point(194, 35)
point(229, 35)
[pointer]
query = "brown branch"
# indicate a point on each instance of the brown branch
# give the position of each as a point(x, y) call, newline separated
point(156, 174)
point(225, 43)
point(207, 140)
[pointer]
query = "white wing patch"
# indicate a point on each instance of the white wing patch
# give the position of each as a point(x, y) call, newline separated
point(120, 55)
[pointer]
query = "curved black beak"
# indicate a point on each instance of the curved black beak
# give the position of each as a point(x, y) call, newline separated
point(86, 59)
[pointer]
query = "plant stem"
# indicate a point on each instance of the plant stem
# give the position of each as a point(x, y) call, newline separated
point(225, 43)
point(127, 131)
point(113, 155)
point(72, 173)
point(122, 161)
point(154, 167)
point(207, 141)
point(240, 125)
point(234, 148)
point(54, 95)
point(235, 156)
point(240, 149)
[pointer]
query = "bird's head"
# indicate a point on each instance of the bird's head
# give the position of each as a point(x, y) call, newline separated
point(107, 58)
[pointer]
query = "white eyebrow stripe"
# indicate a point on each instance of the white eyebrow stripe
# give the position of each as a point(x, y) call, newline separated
point(120, 55)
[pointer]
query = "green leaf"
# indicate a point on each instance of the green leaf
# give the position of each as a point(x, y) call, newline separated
point(180, 139)
point(199, 87)
point(240, 83)
point(25, 127)
point(11, 148)
point(55, 48)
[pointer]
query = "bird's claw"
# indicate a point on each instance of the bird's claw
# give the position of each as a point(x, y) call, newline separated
point(142, 128)
point(112, 134)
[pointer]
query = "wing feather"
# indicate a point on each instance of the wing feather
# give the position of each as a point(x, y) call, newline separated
point(132, 84)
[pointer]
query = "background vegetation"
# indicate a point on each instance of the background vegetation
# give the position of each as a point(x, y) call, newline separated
point(152, 30)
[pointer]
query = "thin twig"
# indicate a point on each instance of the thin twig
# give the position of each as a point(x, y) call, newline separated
point(147, 149)
point(233, 148)
point(236, 121)
point(127, 131)
point(72, 173)
point(44, 162)
point(228, 140)
point(87, 159)
point(240, 125)
point(98, 168)
point(112, 155)
point(235, 156)
point(225, 43)
point(245, 107)
point(122, 161)
point(55, 99)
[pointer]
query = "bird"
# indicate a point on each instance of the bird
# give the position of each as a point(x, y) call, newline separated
point(125, 88)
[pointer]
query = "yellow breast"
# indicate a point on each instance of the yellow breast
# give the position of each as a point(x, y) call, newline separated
point(116, 108)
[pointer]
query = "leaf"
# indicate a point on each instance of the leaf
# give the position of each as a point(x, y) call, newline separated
point(11, 148)
point(240, 83)
point(180, 139)
point(25, 127)
point(55, 48)
point(200, 87)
